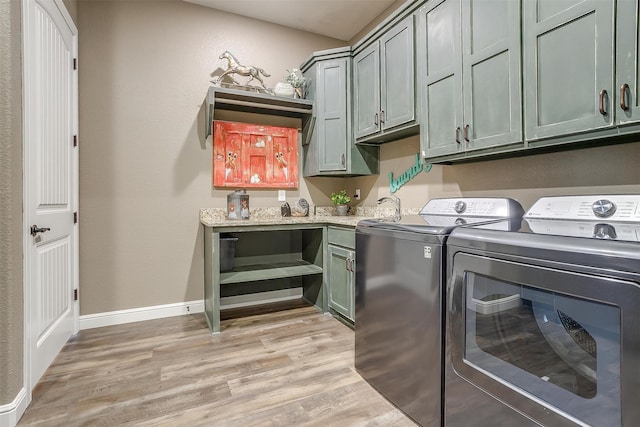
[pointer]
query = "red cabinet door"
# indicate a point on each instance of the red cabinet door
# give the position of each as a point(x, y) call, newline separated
point(250, 155)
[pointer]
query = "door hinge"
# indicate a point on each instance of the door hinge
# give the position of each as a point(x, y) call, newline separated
point(75, 140)
point(75, 63)
point(75, 217)
point(75, 295)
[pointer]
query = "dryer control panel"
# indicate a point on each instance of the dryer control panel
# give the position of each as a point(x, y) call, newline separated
point(606, 217)
point(609, 208)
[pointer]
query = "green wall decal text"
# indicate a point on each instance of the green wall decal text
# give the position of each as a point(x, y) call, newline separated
point(408, 175)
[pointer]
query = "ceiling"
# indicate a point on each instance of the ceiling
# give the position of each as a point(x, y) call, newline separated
point(339, 19)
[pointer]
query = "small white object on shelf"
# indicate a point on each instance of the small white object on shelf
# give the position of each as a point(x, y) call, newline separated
point(284, 90)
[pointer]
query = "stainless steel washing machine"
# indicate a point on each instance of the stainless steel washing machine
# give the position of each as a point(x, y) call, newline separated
point(542, 321)
point(398, 313)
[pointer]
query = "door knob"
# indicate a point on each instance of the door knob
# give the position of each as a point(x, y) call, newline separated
point(35, 230)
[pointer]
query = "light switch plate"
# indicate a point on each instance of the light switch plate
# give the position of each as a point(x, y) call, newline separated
point(282, 195)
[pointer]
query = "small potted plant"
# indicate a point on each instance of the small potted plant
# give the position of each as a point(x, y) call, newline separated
point(341, 201)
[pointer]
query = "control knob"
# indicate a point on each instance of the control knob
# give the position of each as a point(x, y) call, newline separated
point(604, 231)
point(460, 206)
point(603, 208)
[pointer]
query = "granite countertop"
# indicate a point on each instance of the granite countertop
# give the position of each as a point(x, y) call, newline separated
point(216, 217)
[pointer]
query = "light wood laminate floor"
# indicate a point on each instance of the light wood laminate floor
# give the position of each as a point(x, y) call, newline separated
point(290, 367)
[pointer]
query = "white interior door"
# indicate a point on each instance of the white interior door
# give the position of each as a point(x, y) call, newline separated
point(51, 187)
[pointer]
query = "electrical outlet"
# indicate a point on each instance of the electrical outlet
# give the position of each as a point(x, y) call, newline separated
point(357, 194)
point(282, 195)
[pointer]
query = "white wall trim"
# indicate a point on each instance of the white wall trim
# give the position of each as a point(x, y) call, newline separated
point(10, 413)
point(118, 317)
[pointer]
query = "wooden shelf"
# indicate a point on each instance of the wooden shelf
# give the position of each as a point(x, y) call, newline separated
point(219, 98)
point(252, 273)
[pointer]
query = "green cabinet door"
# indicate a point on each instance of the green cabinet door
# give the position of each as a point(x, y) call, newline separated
point(439, 60)
point(332, 117)
point(627, 62)
point(491, 73)
point(366, 87)
point(397, 75)
point(384, 85)
point(568, 66)
point(329, 148)
point(341, 277)
point(470, 75)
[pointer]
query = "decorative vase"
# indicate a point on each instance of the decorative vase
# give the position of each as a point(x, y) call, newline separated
point(284, 89)
point(342, 210)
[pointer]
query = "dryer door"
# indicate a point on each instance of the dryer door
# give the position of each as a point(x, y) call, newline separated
point(551, 344)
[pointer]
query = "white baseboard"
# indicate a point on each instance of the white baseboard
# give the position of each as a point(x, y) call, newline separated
point(10, 413)
point(118, 317)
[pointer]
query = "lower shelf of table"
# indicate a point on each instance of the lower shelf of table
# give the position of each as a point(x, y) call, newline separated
point(254, 272)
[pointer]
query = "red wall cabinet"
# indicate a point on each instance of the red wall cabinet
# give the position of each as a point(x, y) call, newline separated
point(258, 156)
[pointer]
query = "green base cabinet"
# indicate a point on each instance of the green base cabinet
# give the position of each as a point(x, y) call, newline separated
point(384, 86)
point(469, 77)
point(341, 276)
point(329, 150)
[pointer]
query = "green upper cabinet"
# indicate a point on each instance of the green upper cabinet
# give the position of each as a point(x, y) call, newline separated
point(469, 77)
point(367, 91)
point(627, 62)
point(568, 52)
point(329, 150)
point(332, 119)
point(384, 85)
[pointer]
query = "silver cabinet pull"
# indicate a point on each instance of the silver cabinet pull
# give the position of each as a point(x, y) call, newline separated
point(623, 96)
point(465, 134)
point(603, 94)
point(382, 116)
point(458, 135)
point(349, 264)
point(375, 119)
point(342, 159)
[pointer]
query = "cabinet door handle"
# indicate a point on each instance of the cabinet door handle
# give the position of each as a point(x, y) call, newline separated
point(375, 119)
point(347, 264)
point(342, 159)
point(458, 135)
point(352, 266)
point(35, 230)
point(465, 134)
point(382, 116)
point(623, 97)
point(603, 94)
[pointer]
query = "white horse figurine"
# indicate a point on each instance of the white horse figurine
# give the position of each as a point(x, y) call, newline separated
point(234, 67)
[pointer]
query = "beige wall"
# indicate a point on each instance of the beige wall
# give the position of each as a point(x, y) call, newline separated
point(11, 312)
point(607, 169)
point(145, 168)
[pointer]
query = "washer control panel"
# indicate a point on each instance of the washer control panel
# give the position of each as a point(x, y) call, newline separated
point(613, 208)
point(488, 207)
